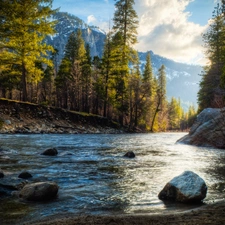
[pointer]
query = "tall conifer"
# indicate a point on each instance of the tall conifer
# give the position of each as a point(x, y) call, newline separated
point(125, 29)
point(24, 25)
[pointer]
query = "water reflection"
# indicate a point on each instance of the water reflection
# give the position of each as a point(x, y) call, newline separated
point(95, 178)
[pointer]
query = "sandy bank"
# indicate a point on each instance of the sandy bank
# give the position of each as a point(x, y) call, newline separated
point(213, 214)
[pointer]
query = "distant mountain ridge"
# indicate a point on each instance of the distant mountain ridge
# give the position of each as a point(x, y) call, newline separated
point(182, 79)
point(67, 24)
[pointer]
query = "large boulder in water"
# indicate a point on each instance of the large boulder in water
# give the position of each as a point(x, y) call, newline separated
point(40, 191)
point(208, 129)
point(188, 187)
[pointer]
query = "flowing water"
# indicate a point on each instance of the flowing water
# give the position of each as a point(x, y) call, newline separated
point(95, 178)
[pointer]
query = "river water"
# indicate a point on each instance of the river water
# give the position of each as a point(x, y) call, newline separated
point(95, 178)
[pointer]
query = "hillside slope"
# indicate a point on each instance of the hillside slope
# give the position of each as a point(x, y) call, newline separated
point(22, 117)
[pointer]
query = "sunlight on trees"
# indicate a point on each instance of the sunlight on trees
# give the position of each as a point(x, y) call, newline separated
point(112, 86)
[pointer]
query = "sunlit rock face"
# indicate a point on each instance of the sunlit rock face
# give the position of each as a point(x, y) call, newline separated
point(186, 188)
point(208, 129)
point(40, 191)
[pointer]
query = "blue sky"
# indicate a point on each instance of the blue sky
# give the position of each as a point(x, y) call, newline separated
point(170, 28)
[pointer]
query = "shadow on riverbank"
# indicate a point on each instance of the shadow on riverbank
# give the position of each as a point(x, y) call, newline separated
point(212, 214)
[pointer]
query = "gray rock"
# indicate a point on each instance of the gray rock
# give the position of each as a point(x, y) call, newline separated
point(50, 152)
point(188, 187)
point(8, 122)
point(40, 191)
point(208, 129)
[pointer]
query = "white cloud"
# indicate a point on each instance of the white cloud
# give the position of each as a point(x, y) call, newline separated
point(165, 29)
point(91, 19)
point(99, 22)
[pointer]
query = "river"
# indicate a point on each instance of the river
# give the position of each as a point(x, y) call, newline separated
point(94, 177)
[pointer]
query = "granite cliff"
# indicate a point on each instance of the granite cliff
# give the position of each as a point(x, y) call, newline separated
point(208, 129)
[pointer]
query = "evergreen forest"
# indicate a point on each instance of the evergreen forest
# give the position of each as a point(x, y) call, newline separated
point(112, 86)
point(212, 86)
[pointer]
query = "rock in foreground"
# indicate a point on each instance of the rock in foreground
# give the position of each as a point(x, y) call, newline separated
point(186, 188)
point(41, 191)
point(208, 129)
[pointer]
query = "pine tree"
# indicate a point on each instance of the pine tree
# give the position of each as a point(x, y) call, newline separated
point(72, 73)
point(86, 79)
point(175, 114)
point(63, 83)
point(148, 92)
point(210, 92)
point(160, 100)
point(135, 98)
point(106, 66)
point(125, 29)
point(192, 114)
point(98, 93)
point(24, 25)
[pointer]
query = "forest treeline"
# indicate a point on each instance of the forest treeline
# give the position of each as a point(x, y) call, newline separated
point(111, 86)
point(212, 86)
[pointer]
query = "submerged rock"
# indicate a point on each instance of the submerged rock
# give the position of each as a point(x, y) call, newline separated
point(50, 152)
point(25, 175)
point(130, 154)
point(40, 191)
point(208, 129)
point(188, 187)
point(1, 174)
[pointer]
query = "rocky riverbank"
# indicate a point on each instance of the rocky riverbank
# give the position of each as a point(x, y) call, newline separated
point(208, 129)
point(22, 117)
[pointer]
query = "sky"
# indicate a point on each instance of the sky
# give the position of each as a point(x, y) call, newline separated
point(170, 28)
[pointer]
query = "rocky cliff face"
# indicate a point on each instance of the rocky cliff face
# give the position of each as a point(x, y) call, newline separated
point(69, 23)
point(208, 129)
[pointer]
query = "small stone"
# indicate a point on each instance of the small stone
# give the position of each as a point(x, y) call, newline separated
point(50, 152)
point(8, 122)
point(1, 174)
point(130, 154)
point(25, 175)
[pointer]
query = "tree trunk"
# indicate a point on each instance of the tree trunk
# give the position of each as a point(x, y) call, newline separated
point(156, 111)
point(24, 83)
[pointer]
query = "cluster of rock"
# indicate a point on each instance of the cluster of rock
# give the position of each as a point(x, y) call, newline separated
point(208, 129)
point(186, 188)
point(37, 191)
point(34, 191)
